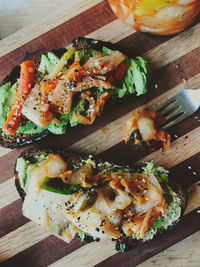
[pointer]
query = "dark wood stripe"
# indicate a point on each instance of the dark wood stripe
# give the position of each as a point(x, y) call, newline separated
point(82, 24)
point(11, 217)
point(7, 164)
point(44, 253)
point(187, 226)
point(187, 172)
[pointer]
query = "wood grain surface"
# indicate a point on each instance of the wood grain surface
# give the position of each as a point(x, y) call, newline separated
point(174, 64)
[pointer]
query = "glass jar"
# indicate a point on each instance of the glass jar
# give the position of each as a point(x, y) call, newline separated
point(163, 17)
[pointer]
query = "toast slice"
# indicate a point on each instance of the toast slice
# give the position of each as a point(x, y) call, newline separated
point(123, 240)
point(79, 43)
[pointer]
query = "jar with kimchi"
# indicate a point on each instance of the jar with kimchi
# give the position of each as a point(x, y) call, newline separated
point(161, 17)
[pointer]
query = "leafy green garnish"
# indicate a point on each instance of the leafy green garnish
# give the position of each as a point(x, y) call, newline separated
point(143, 64)
point(79, 109)
point(53, 58)
point(86, 53)
point(89, 199)
point(99, 91)
point(45, 65)
point(83, 235)
point(56, 185)
point(122, 247)
point(135, 79)
point(106, 50)
point(135, 135)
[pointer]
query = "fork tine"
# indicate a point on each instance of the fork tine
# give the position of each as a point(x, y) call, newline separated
point(169, 109)
point(171, 123)
point(166, 104)
point(178, 112)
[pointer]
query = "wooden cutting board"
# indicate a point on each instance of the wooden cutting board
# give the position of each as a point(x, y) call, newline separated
point(175, 64)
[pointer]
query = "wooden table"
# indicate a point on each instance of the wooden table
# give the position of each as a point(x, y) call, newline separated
point(175, 64)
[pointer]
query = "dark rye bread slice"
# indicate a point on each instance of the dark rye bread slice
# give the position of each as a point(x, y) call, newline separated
point(18, 140)
point(31, 155)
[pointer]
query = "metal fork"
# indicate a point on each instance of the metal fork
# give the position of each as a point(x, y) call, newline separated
point(180, 106)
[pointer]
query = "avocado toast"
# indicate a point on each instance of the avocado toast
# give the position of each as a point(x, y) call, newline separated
point(69, 194)
point(67, 88)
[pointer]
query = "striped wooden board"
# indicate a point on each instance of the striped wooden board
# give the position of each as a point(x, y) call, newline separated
point(175, 64)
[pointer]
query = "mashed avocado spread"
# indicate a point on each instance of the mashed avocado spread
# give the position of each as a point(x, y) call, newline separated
point(172, 215)
point(134, 82)
point(174, 207)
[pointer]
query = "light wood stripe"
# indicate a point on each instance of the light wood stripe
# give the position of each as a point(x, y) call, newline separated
point(193, 201)
point(99, 139)
point(181, 255)
point(83, 256)
point(20, 239)
point(183, 147)
point(4, 151)
point(102, 250)
point(174, 48)
point(8, 193)
point(56, 17)
point(113, 32)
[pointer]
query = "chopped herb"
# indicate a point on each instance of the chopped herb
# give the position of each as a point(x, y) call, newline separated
point(56, 185)
point(83, 235)
point(122, 247)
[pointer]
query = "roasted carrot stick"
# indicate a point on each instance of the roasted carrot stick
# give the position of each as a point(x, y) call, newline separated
point(26, 81)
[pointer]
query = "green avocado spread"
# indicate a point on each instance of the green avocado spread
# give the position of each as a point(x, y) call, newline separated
point(134, 82)
point(7, 94)
point(172, 215)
